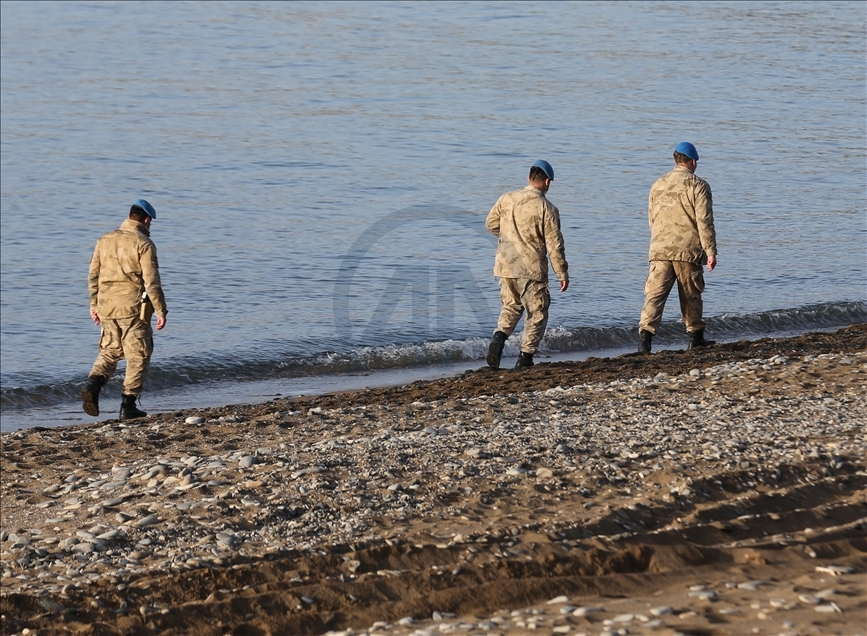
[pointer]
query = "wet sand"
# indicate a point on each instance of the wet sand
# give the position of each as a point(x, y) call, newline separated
point(721, 491)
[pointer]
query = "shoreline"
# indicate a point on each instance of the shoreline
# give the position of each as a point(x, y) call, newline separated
point(675, 492)
point(251, 392)
point(217, 394)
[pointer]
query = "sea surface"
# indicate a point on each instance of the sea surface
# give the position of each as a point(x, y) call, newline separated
point(322, 172)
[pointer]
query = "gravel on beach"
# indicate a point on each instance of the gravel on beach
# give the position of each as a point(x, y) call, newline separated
point(710, 492)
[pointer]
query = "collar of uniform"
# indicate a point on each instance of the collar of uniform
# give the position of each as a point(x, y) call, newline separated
point(134, 226)
point(533, 188)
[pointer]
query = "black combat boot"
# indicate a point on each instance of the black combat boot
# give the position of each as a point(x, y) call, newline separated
point(90, 395)
point(495, 350)
point(696, 339)
point(525, 360)
point(645, 338)
point(128, 409)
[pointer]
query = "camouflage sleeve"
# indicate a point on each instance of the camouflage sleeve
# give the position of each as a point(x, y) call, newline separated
point(554, 243)
point(93, 279)
point(650, 206)
point(492, 223)
point(150, 271)
point(704, 219)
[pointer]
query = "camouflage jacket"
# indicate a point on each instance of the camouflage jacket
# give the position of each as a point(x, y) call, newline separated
point(124, 265)
point(528, 226)
point(680, 211)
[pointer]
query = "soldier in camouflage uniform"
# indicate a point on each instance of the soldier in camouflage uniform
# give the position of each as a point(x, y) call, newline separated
point(680, 210)
point(125, 291)
point(528, 228)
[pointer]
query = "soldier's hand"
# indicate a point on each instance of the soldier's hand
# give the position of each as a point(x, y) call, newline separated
point(95, 318)
point(161, 322)
point(564, 285)
point(711, 263)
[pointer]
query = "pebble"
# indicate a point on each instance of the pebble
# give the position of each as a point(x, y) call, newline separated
point(149, 520)
point(752, 586)
point(51, 606)
point(586, 611)
point(558, 600)
point(704, 595)
point(835, 570)
point(623, 618)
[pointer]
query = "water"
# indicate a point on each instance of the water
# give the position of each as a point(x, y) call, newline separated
point(322, 172)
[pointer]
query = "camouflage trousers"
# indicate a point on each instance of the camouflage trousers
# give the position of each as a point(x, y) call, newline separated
point(519, 295)
point(690, 285)
point(129, 338)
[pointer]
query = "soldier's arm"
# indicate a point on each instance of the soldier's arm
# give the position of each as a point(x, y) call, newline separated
point(650, 207)
point(554, 244)
point(150, 271)
point(93, 280)
point(492, 223)
point(704, 219)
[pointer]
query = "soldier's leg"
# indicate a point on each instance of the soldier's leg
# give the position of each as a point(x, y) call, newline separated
point(536, 299)
point(510, 314)
point(138, 346)
point(110, 352)
point(110, 349)
point(690, 285)
point(660, 280)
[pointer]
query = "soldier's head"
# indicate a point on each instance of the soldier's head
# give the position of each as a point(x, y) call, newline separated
point(541, 175)
point(143, 212)
point(686, 155)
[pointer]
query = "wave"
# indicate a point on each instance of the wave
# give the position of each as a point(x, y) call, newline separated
point(174, 374)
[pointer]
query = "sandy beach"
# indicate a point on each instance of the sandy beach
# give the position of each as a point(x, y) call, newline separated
point(715, 492)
